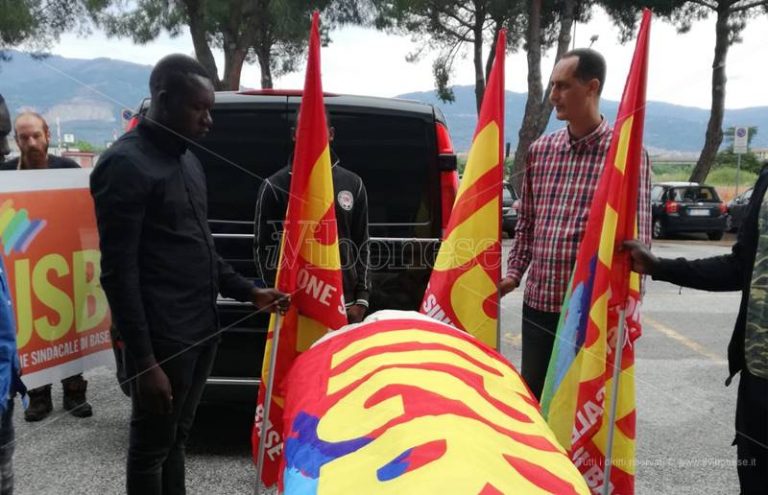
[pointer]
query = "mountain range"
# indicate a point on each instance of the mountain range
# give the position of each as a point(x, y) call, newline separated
point(86, 97)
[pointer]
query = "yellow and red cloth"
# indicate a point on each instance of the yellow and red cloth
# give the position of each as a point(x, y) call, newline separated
point(462, 289)
point(578, 392)
point(309, 267)
point(403, 404)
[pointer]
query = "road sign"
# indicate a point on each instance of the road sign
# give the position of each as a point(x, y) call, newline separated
point(740, 140)
point(69, 138)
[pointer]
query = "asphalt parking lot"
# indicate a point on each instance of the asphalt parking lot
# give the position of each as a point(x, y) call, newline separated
point(685, 414)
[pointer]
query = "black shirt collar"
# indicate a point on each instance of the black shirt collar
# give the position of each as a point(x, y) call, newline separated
point(164, 139)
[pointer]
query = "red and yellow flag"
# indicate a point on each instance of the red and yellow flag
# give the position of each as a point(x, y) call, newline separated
point(403, 404)
point(310, 266)
point(578, 393)
point(462, 289)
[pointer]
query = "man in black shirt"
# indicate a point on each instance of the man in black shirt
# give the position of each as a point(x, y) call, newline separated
point(33, 136)
point(160, 270)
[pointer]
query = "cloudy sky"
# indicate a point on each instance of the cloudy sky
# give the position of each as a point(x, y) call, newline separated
point(364, 61)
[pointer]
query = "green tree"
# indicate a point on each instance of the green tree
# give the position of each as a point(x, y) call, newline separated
point(731, 19)
point(449, 26)
point(549, 23)
point(82, 145)
point(35, 24)
point(727, 159)
point(270, 32)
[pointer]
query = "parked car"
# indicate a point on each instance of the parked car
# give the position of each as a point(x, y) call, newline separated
point(737, 209)
point(688, 207)
point(509, 206)
point(401, 149)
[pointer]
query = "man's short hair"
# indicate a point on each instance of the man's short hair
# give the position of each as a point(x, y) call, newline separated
point(172, 74)
point(591, 65)
point(30, 113)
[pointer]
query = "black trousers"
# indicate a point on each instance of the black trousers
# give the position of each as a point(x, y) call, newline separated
point(752, 434)
point(539, 329)
point(157, 443)
point(7, 444)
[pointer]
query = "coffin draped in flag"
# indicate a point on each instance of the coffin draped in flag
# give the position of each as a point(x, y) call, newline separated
point(403, 404)
point(462, 289)
point(309, 266)
point(578, 391)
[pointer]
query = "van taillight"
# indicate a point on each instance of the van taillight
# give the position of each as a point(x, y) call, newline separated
point(444, 143)
point(723, 209)
point(671, 207)
point(449, 177)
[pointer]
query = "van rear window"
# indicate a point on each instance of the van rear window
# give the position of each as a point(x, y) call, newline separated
point(395, 155)
point(694, 194)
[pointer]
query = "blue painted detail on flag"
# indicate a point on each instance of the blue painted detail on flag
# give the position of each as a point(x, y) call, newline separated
point(575, 325)
point(585, 302)
point(295, 483)
point(394, 468)
point(306, 453)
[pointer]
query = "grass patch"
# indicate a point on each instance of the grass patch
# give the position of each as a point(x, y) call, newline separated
point(721, 176)
point(727, 177)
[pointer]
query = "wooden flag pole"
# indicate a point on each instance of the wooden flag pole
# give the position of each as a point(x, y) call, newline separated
point(614, 401)
point(268, 400)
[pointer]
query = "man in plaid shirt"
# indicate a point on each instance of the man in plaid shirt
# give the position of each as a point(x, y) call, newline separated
point(561, 173)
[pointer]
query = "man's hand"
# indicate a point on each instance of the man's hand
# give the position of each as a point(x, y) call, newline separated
point(356, 313)
point(643, 261)
point(270, 299)
point(155, 393)
point(507, 285)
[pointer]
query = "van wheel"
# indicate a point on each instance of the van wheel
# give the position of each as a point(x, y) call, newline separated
point(658, 229)
point(715, 236)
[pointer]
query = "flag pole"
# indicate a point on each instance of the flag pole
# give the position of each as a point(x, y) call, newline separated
point(614, 402)
point(268, 400)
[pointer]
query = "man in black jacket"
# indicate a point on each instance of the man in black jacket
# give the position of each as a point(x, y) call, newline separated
point(745, 269)
point(160, 270)
point(351, 208)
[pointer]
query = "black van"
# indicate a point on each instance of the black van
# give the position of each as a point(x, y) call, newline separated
point(401, 149)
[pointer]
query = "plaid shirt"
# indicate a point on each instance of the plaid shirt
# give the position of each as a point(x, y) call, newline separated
point(561, 175)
